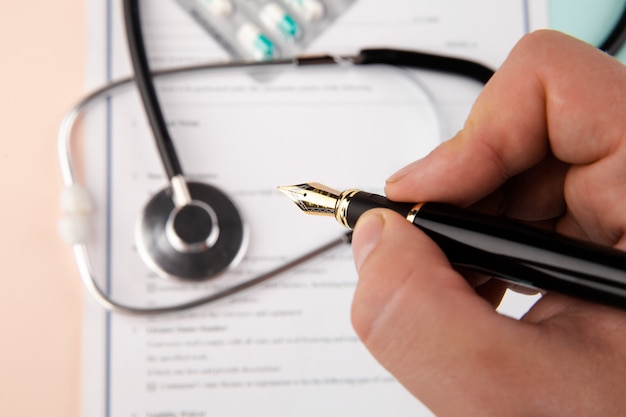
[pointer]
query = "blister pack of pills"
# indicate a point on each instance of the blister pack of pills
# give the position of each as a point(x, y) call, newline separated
point(265, 29)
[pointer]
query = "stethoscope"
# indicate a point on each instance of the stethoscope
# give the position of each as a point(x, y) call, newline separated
point(192, 231)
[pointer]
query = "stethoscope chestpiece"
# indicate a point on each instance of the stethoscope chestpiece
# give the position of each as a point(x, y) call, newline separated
point(195, 241)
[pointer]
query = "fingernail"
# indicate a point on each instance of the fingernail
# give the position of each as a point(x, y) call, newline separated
point(366, 236)
point(403, 172)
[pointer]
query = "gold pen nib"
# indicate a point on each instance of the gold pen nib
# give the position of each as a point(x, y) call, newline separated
point(313, 198)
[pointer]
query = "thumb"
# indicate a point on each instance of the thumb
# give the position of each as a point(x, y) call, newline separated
point(403, 277)
point(417, 316)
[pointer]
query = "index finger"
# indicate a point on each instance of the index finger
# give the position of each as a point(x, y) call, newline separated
point(545, 97)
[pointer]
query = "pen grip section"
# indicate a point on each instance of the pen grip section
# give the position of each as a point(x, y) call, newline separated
point(363, 201)
point(526, 255)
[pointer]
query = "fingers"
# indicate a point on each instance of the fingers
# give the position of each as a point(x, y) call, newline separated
point(531, 106)
point(595, 196)
point(535, 195)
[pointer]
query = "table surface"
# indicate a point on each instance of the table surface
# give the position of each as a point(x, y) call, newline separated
point(42, 75)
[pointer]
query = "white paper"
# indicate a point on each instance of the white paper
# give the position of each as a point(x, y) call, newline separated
point(285, 348)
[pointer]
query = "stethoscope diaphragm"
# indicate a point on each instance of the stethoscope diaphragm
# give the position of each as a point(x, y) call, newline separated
point(195, 241)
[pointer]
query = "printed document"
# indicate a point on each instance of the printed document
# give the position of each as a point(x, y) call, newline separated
point(284, 348)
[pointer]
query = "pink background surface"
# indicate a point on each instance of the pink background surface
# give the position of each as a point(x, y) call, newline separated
point(42, 44)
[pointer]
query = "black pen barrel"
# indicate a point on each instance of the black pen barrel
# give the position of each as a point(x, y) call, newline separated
point(516, 252)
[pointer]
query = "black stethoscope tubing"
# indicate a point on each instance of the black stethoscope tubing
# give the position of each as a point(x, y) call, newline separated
point(614, 41)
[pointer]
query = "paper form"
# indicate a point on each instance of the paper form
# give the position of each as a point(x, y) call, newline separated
point(285, 348)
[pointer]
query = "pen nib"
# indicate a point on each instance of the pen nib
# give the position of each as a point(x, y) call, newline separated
point(312, 198)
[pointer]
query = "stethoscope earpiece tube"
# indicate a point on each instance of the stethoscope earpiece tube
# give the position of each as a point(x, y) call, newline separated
point(145, 85)
point(616, 38)
point(439, 63)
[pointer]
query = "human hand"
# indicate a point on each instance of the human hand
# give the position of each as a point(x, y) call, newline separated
point(545, 142)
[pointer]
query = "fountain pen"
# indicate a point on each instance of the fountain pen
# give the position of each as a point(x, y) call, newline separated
point(499, 247)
